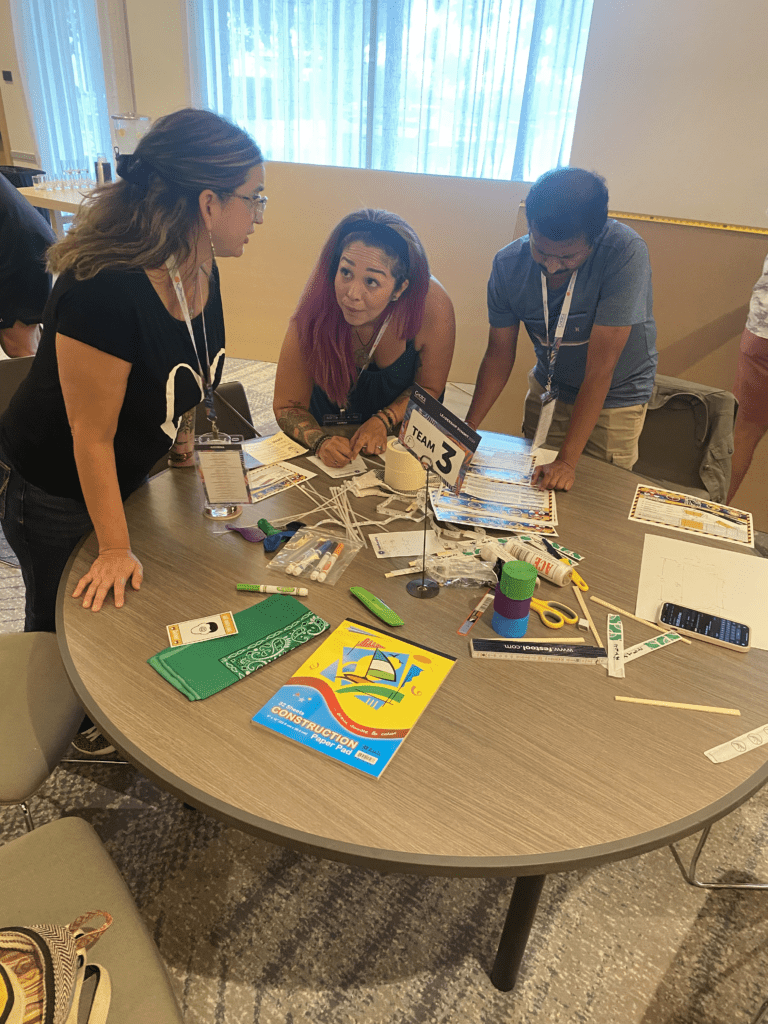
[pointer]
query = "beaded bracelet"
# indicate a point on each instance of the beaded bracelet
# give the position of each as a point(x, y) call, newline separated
point(318, 442)
point(389, 412)
point(384, 420)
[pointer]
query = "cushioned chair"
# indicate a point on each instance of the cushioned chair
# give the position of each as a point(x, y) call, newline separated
point(687, 440)
point(40, 716)
point(61, 870)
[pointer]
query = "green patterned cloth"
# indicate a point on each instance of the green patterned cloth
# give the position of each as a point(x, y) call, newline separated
point(265, 631)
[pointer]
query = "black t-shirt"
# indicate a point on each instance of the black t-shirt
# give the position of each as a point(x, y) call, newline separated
point(24, 238)
point(119, 313)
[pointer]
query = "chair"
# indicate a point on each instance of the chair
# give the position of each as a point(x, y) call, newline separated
point(12, 373)
point(40, 716)
point(689, 873)
point(687, 439)
point(233, 416)
point(61, 870)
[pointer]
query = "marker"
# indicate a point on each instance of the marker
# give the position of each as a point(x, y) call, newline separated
point(327, 553)
point(297, 568)
point(335, 554)
point(260, 588)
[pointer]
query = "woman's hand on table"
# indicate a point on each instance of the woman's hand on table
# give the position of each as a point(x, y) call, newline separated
point(335, 451)
point(110, 571)
point(370, 438)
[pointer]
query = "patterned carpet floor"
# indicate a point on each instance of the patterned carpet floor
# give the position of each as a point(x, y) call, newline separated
point(256, 934)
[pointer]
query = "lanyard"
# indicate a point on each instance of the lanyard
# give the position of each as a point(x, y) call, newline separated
point(554, 348)
point(205, 377)
point(369, 357)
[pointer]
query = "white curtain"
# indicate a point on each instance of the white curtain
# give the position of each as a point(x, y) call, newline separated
point(60, 53)
point(477, 88)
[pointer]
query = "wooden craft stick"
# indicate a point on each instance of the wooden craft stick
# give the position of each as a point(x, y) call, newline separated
point(587, 616)
point(645, 622)
point(674, 704)
point(551, 640)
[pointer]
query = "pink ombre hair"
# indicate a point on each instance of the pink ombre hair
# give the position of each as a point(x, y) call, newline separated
point(325, 337)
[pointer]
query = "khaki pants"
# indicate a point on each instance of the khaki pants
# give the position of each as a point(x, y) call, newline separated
point(614, 438)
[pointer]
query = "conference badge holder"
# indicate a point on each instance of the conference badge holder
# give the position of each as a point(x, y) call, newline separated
point(222, 471)
point(546, 413)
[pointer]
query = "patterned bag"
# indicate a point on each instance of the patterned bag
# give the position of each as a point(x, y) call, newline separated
point(42, 970)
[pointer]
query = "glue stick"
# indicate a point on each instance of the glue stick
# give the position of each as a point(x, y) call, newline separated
point(555, 571)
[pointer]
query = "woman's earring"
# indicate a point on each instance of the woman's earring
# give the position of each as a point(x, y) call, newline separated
point(213, 251)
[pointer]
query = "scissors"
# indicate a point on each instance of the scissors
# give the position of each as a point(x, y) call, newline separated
point(554, 614)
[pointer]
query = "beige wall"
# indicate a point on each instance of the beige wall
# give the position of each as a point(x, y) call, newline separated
point(670, 112)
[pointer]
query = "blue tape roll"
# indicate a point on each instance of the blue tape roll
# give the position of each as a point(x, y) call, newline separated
point(509, 627)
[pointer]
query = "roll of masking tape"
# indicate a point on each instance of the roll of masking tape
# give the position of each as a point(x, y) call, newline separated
point(402, 471)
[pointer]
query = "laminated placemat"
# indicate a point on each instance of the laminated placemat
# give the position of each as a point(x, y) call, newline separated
point(265, 632)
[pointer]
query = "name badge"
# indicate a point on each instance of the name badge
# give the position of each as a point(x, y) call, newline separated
point(546, 413)
point(341, 418)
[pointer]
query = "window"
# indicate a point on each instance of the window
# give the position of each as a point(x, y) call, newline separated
point(58, 45)
point(477, 88)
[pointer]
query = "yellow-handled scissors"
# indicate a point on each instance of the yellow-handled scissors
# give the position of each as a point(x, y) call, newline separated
point(554, 614)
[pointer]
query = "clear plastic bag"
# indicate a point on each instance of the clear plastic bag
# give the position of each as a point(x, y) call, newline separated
point(315, 556)
point(460, 571)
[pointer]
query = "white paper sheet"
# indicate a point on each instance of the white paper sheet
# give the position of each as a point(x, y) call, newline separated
point(275, 448)
point(403, 542)
point(713, 580)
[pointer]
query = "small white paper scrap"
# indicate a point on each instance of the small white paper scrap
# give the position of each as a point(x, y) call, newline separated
point(656, 642)
point(615, 647)
point(733, 748)
point(402, 543)
point(355, 468)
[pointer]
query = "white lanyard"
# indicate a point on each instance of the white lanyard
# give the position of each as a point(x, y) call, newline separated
point(554, 346)
point(204, 376)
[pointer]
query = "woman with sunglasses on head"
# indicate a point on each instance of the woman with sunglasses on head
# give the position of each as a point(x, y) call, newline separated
point(133, 337)
point(370, 324)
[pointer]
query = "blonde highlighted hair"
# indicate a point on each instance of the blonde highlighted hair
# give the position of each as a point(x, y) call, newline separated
point(138, 223)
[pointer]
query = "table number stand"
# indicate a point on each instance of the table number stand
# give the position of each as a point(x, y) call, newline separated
point(422, 586)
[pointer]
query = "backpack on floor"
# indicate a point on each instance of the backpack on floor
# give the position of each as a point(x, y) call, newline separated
point(42, 970)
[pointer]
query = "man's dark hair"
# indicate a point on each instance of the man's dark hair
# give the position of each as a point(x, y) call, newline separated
point(566, 203)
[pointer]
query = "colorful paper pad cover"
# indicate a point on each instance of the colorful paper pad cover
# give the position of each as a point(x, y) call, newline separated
point(358, 696)
point(265, 631)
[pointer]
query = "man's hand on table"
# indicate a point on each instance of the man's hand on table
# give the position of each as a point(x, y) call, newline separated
point(555, 476)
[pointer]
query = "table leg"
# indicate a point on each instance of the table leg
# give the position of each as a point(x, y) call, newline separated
point(517, 927)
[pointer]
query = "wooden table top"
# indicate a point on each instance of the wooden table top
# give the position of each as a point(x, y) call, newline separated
point(513, 768)
point(64, 200)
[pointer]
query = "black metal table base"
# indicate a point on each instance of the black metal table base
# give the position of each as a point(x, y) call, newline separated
point(517, 928)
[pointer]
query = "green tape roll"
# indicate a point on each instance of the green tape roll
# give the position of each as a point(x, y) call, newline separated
point(518, 580)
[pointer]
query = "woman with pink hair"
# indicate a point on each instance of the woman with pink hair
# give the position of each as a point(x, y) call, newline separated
point(370, 324)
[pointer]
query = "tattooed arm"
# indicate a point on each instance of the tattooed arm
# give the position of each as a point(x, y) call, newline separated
point(293, 390)
point(183, 450)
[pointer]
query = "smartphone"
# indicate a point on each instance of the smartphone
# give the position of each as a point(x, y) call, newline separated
point(703, 626)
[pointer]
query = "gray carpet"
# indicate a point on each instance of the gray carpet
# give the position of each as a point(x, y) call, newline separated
point(256, 934)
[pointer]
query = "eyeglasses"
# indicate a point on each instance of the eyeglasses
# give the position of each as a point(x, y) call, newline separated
point(256, 202)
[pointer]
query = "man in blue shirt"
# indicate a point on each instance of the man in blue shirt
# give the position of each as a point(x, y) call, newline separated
point(596, 345)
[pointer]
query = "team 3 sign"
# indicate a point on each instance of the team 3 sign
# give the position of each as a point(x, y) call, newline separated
point(441, 441)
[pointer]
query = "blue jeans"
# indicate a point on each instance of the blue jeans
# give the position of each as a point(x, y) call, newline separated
point(43, 531)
